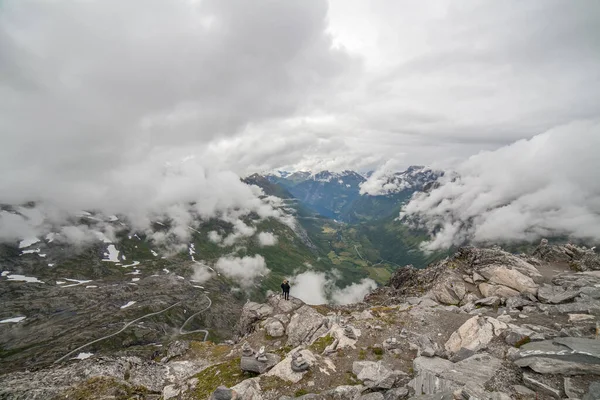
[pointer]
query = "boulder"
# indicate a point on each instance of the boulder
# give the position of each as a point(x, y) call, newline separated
point(248, 389)
point(517, 302)
point(259, 365)
point(493, 301)
point(374, 375)
point(274, 327)
point(530, 381)
point(427, 347)
point(555, 294)
point(489, 290)
point(346, 392)
point(282, 306)
point(501, 275)
point(524, 391)
point(222, 393)
point(435, 375)
point(475, 334)
point(305, 326)
point(251, 313)
point(593, 392)
point(566, 356)
point(449, 289)
point(396, 393)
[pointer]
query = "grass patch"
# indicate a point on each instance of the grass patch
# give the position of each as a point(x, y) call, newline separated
point(378, 351)
point(102, 386)
point(321, 343)
point(227, 374)
point(300, 392)
point(523, 341)
point(209, 350)
point(362, 355)
point(272, 382)
point(322, 309)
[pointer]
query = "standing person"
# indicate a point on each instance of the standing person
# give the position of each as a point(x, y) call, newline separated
point(285, 287)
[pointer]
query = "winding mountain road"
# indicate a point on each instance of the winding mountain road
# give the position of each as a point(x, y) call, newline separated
point(182, 332)
point(127, 325)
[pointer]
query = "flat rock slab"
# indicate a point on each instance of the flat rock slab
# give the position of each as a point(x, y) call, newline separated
point(555, 294)
point(567, 356)
point(436, 375)
point(284, 370)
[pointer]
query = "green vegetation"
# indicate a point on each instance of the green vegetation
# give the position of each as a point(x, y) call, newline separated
point(104, 387)
point(226, 374)
point(300, 392)
point(271, 382)
point(321, 343)
point(523, 341)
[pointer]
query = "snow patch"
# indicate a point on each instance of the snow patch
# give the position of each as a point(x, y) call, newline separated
point(155, 254)
point(131, 265)
point(91, 286)
point(50, 237)
point(23, 278)
point(111, 254)
point(4, 273)
point(83, 356)
point(15, 319)
point(77, 282)
point(31, 251)
point(51, 265)
point(129, 304)
point(113, 218)
point(135, 279)
point(28, 242)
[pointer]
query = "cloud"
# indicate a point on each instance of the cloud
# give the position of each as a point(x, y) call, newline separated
point(319, 288)
point(533, 188)
point(353, 293)
point(128, 121)
point(267, 239)
point(202, 273)
point(243, 270)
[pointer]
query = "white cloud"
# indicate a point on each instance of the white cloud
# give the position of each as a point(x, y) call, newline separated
point(243, 270)
point(267, 239)
point(202, 272)
point(214, 237)
point(532, 188)
point(353, 293)
point(319, 288)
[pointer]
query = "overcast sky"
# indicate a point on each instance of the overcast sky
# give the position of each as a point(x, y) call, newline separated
point(97, 97)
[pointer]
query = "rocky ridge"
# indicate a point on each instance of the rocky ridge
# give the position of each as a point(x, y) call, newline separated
point(483, 324)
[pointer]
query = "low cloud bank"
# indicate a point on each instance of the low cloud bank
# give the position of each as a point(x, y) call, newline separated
point(318, 288)
point(267, 239)
point(544, 186)
point(243, 270)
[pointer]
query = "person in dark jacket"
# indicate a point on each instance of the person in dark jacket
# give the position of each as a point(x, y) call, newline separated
point(285, 287)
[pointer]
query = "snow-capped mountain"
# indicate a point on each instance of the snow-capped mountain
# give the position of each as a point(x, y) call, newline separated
point(414, 178)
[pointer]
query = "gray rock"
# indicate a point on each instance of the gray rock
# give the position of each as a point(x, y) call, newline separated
point(493, 301)
point(252, 364)
point(396, 394)
point(571, 391)
point(372, 396)
point(555, 294)
point(177, 348)
point(222, 393)
point(248, 389)
point(449, 289)
point(251, 313)
point(462, 354)
point(427, 347)
point(593, 392)
point(447, 395)
point(517, 302)
point(513, 337)
point(524, 391)
point(499, 396)
point(502, 291)
point(536, 385)
point(274, 327)
point(434, 375)
point(475, 334)
point(567, 356)
point(299, 364)
point(347, 392)
point(305, 326)
point(512, 278)
point(374, 375)
point(427, 302)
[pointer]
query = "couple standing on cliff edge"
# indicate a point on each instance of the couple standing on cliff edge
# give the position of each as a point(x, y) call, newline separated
point(285, 287)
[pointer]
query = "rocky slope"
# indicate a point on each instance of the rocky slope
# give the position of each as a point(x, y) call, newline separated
point(483, 324)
